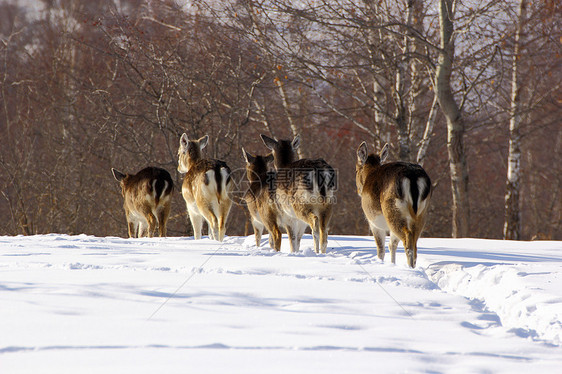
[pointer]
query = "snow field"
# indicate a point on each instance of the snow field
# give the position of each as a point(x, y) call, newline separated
point(86, 304)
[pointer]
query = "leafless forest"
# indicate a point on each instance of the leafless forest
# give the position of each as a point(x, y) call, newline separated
point(469, 89)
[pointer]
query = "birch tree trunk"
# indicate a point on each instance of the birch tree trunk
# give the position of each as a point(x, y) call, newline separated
point(278, 78)
point(512, 225)
point(406, 89)
point(455, 122)
point(417, 78)
point(424, 143)
point(287, 108)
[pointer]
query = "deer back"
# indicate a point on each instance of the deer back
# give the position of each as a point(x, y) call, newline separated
point(313, 177)
point(260, 196)
point(205, 179)
point(402, 185)
point(304, 192)
point(300, 178)
point(149, 188)
point(260, 177)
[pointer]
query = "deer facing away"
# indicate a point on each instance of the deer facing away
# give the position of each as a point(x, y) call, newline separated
point(260, 199)
point(395, 197)
point(304, 192)
point(148, 196)
point(206, 187)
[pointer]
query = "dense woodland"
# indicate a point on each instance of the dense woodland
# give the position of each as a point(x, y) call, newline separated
point(469, 89)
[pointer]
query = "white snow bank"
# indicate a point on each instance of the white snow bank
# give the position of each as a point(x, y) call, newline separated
point(519, 281)
point(91, 305)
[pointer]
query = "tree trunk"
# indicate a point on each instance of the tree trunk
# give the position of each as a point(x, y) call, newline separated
point(406, 88)
point(417, 78)
point(512, 225)
point(424, 143)
point(455, 122)
point(257, 31)
point(287, 107)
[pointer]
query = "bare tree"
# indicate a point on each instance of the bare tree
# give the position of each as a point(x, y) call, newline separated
point(86, 86)
point(454, 118)
point(512, 228)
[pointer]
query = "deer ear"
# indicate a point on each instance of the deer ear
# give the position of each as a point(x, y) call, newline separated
point(384, 153)
point(118, 175)
point(269, 142)
point(296, 141)
point(184, 141)
point(248, 157)
point(362, 153)
point(203, 141)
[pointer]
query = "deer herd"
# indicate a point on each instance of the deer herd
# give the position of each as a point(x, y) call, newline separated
point(284, 193)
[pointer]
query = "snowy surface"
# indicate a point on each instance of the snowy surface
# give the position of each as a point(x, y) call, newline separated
point(83, 304)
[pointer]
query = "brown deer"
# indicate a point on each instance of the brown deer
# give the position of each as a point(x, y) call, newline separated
point(304, 191)
point(206, 188)
point(148, 198)
point(260, 199)
point(395, 197)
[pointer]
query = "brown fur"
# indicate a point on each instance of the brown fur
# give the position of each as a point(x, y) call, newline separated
point(206, 188)
point(388, 205)
point(148, 196)
point(260, 199)
point(301, 198)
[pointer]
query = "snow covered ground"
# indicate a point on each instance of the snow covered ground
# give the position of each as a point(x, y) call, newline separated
point(83, 304)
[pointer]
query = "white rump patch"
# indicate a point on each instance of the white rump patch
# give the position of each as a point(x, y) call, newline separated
point(406, 191)
point(164, 189)
point(224, 178)
point(422, 187)
point(153, 197)
point(208, 195)
point(404, 205)
point(210, 189)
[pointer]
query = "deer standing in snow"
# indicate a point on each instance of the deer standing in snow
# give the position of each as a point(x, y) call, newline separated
point(304, 191)
point(395, 197)
point(260, 199)
point(206, 188)
point(148, 197)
